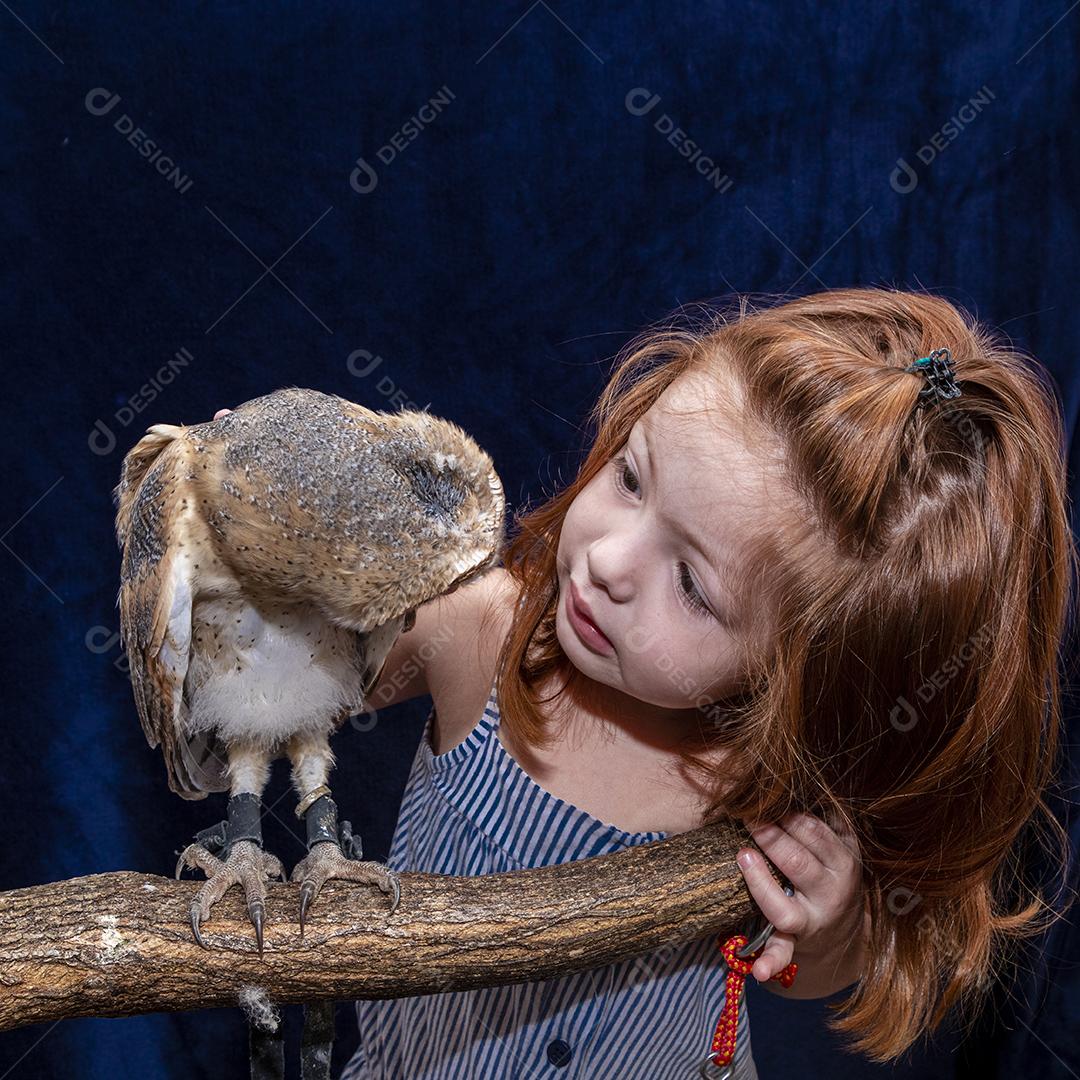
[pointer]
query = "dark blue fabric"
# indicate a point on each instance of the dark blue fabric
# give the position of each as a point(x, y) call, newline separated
point(582, 171)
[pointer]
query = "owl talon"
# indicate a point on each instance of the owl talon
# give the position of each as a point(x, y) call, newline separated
point(248, 866)
point(256, 912)
point(195, 925)
point(308, 892)
point(335, 852)
point(325, 861)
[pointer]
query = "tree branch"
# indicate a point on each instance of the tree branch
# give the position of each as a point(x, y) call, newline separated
point(119, 944)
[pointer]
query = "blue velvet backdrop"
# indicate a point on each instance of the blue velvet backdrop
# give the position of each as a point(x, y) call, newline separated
point(469, 208)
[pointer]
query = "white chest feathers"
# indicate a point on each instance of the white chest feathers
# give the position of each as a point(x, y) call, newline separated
point(267, 673)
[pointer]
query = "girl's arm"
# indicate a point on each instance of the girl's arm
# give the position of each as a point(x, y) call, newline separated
point(434, 655)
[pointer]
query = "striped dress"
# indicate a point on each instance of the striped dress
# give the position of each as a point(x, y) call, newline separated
point(474, 810)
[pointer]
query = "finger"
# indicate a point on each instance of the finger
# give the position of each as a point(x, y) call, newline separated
point(802, 867)
point(848, 836)
point(776, 956)
point(783, 911)
point(220, 413)
point(843, 828)
point(819, 838)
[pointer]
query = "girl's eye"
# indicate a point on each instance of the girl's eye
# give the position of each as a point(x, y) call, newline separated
point(685, 583)
point(689, 590)
point(622, 471)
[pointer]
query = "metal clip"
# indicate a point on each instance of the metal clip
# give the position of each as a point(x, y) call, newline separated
point(724, 1072)
point(352, 846)
point(727, 1072)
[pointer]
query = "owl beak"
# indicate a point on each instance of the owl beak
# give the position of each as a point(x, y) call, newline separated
point(372, 683)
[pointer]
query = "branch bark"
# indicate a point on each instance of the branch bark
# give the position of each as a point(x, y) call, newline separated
point(119, 944)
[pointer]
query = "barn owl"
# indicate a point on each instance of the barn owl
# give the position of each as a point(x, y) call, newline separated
point(269, 561)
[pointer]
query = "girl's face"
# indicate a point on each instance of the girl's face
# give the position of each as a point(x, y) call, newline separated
point(647, 546)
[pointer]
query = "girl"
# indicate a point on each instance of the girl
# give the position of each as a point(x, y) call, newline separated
point(801, 569)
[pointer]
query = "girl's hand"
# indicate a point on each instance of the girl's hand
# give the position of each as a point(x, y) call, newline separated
point(220, 413)
point(826, 912)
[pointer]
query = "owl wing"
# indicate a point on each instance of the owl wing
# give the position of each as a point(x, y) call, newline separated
point(155, 600)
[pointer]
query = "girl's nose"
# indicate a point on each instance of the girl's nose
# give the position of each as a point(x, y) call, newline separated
point(611, 567)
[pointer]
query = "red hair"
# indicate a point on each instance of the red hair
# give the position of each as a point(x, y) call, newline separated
point(918, 599)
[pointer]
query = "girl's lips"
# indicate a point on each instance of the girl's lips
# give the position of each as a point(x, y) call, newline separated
point(590, 634)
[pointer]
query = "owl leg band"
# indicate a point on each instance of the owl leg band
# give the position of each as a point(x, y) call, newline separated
point(321, 818)
point(230, 853)
point(244, 823)
point(334, 852)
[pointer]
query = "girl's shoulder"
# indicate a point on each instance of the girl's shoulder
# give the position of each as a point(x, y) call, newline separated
point(453, 641)
point(461, 651)
point(477, 617)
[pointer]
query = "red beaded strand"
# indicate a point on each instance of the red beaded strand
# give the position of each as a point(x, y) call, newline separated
point(723, 1043)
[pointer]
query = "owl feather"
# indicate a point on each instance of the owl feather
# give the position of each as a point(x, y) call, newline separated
point(270, 558)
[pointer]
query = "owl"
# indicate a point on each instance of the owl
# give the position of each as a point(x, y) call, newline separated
point(269, 561)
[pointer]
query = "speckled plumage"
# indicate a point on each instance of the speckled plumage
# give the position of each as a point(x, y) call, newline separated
point(269, 560)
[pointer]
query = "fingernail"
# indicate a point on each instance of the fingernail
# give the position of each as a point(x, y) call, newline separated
point(745, 860)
